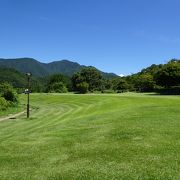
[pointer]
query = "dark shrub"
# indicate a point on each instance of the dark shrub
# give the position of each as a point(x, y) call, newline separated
point(7, 92)
point(82, 87)
point(58, 87)
point(174, 90)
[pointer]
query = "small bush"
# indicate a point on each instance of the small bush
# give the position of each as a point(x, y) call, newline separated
point(3, 104)
point(8, 93)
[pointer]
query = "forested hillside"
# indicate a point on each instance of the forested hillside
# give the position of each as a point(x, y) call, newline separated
point(65, 67)
point(19, 80)
point(12, 76)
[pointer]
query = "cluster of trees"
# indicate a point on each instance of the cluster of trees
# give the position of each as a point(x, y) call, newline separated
point(87, 79)
point(163, 78)
point(8, 96)
point(58, 83)
point(155, 78)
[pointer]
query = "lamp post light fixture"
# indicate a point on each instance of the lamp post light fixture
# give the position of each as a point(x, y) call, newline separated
point(27, 91)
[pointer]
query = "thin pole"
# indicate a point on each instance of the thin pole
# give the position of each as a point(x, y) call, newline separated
point(28, 97)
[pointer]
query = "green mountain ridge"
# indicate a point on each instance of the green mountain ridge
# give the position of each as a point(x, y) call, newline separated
point(40, 69)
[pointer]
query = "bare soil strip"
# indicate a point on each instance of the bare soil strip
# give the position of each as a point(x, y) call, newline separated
point(12, 116)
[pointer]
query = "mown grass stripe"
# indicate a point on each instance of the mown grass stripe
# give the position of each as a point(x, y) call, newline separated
point(128, 136)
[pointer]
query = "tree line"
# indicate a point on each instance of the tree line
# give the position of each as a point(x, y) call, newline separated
point(163, 78)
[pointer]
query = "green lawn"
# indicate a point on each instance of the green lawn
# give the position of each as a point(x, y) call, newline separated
point(128, 136)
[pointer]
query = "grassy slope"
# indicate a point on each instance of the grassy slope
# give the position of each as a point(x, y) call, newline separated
point(93, 137)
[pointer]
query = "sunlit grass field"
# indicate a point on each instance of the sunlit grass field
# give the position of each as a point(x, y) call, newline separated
point(122, 136)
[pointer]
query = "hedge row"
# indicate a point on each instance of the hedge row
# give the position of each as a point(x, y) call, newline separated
point(175, 90)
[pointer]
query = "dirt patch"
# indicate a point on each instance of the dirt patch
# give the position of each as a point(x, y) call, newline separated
point(12, 116)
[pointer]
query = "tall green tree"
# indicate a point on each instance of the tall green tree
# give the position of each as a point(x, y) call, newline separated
point(57, 83)
point(144, 82)
point(89, 75)
point(120, 85)
point(169, 74)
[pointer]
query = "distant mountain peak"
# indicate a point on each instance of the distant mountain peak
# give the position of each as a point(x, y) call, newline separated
point(65, 67)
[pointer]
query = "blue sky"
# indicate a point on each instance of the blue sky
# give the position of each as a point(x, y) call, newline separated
point(120, 36)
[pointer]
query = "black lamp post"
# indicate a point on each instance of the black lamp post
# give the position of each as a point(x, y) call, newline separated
point(27, 91)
